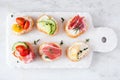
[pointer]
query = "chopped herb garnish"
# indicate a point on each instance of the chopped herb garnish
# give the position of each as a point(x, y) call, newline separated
point(36, 41)
point(87, 40)
point(61, 43)
point(46, 57)
point(62, 19)
point(81, 52)
point(77, 28)
point(17, 61)
point(11, 15)
point(51, 24)
point(85, 48)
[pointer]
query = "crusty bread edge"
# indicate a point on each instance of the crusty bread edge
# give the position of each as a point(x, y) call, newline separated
point(31, 49)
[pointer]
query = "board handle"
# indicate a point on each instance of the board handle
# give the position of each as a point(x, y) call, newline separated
point(105, 39)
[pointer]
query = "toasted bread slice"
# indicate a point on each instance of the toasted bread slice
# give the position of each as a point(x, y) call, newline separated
point(77, 51)
point(30, 26)
point(28, 58)
point(43, 55)
point(75, 33)
point(45, 18)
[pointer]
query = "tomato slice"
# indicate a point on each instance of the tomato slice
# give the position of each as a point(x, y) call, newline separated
point(26, 25)
point(20, 48)
point(20, 21)
point(23, 51)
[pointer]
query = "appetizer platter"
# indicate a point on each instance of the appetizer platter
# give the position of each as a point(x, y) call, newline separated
point(55, 39)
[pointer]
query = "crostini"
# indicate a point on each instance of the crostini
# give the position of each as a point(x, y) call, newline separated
point(50, 51)
point(22, 25)
point(23, 51)
point(77, 51)
point(76, 26)
point(47, 25)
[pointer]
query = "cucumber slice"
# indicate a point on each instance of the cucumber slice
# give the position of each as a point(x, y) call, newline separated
point(45, 26)
point(53, 26)
point(19, 43)
point(49, 26)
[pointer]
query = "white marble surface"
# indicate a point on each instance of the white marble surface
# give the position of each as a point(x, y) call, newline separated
point(105, 66)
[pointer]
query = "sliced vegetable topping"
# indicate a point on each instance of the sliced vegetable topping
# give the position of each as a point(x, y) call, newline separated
point(19, 43)
point(20, 21)
point(49, 26)
point(24, 24)
point(23, 51)
point(16, 28)
point(22, 48)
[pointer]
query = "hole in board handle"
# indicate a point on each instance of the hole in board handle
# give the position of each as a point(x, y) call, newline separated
point(104, 39)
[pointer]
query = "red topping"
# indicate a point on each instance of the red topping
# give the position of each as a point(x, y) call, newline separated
point(20, 48)
point(76, 22)
point(29, 58)
point(25, 54)
point(23, 51)
point(23, 23)
point(52, 51)
point(20, 21)
point(26, 25)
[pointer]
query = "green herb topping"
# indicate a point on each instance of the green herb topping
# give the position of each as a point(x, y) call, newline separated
point(77, 28)
point(17, 61)
point(87, 40)
point(61, 42)
point(62, 19)
point(36, 41)
point(81, 52)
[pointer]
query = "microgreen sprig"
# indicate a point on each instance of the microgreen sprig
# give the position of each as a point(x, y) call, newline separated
point(36, 41)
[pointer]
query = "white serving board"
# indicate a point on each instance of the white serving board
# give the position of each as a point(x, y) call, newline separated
point(93, 34)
